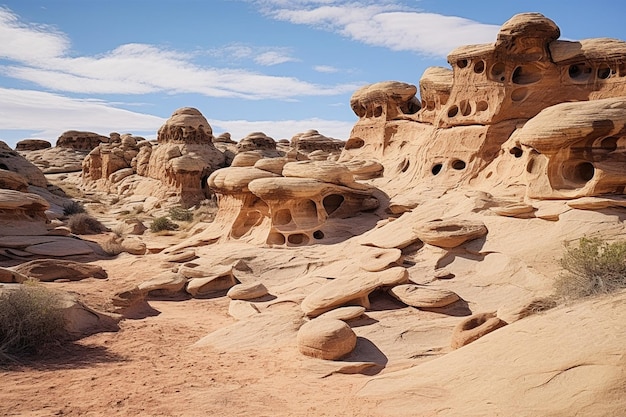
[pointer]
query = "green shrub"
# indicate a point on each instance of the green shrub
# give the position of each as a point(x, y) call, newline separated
point(593, 267)
point(162, 223)
point(181, 214)
point(30, 318)
point(73, 207)
point(84, 224)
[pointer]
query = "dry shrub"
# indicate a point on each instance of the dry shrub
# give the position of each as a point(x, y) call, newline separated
point(30, 318)
point(180, 214)
point(162, 223)
point(593, 267)
point(73, 207)
point(84, 224)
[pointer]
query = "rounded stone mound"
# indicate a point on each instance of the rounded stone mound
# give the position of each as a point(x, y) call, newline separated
point(326, 339)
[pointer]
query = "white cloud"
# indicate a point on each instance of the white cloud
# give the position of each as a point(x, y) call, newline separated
point(273, 58)
point(325, 68)
point(387, 24)
point(42, 58)
point(282, 129)
point(49, 115)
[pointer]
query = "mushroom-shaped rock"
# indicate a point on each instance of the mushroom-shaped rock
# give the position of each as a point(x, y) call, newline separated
point(247, 291)
point(326, 339)
point(246, 159)
point(256, 141)
point(423, 297)
point(312, 140)
point(386, 99)
point(235, 179)
point(353, 289)
point(166, 283)
point(449, 233)
point(53, 269)
point(475, 327)
point(344, 313)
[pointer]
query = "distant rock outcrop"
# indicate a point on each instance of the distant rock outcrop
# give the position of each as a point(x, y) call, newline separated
point(32, 145)
point(80, 141)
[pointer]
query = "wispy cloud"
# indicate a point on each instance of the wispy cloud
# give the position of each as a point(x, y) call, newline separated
point(39, 54)
point(326, 69)
point(274, 58)
point(384, 23)
point(56, 114)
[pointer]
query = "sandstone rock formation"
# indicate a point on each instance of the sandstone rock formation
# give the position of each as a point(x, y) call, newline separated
point(11, 160)
point(32, 145)
point(80, 141)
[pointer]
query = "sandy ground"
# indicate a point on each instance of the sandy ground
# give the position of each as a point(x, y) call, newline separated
point(149, 368)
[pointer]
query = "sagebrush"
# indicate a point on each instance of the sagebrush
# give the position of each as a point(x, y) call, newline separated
point(181, 214)
point(84, 224)
point(162, 223)
point(73, 207)
point(592, 267)
point(30, 318)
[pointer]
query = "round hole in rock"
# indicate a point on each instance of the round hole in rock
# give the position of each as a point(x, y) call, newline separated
point(430, 105)
point(332, 202)
point(461, 63)
point(497, 71)
point(579, 72)
point(276, 239)
point(604, 72)
point(465, 107)
point(282, 217)
point(436, 169)
point(318, 234)
point(517, 152)
point(458, 165)
point(452, 111)
point(519, 94)
point(530, 166)
point(526, 74)
point(378, 111)
point(609, 144)
point(354, 143)
point(584, 171)
point(479, 67)
point(298, 239)
point(482, 105)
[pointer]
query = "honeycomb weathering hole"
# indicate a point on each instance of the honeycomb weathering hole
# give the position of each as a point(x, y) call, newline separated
point(462, 63)
point(519, 94)
point(458, 165)
point(526, 74)
point(584, 171)
point(354, 143)
point(282, 217)
point(609, 144)
point(332, 202)
point(318, 234)
point(276, 239)
point(517, 152)
point(482, 105)
point(497, 71)
point(436, 169)
point(452, 111)
point(298, 239)
point(479, 67)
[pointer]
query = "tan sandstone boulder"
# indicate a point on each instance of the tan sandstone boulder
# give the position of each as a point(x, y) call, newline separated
point(326, 339)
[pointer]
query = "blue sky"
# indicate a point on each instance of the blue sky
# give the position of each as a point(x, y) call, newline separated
point(277, 66)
